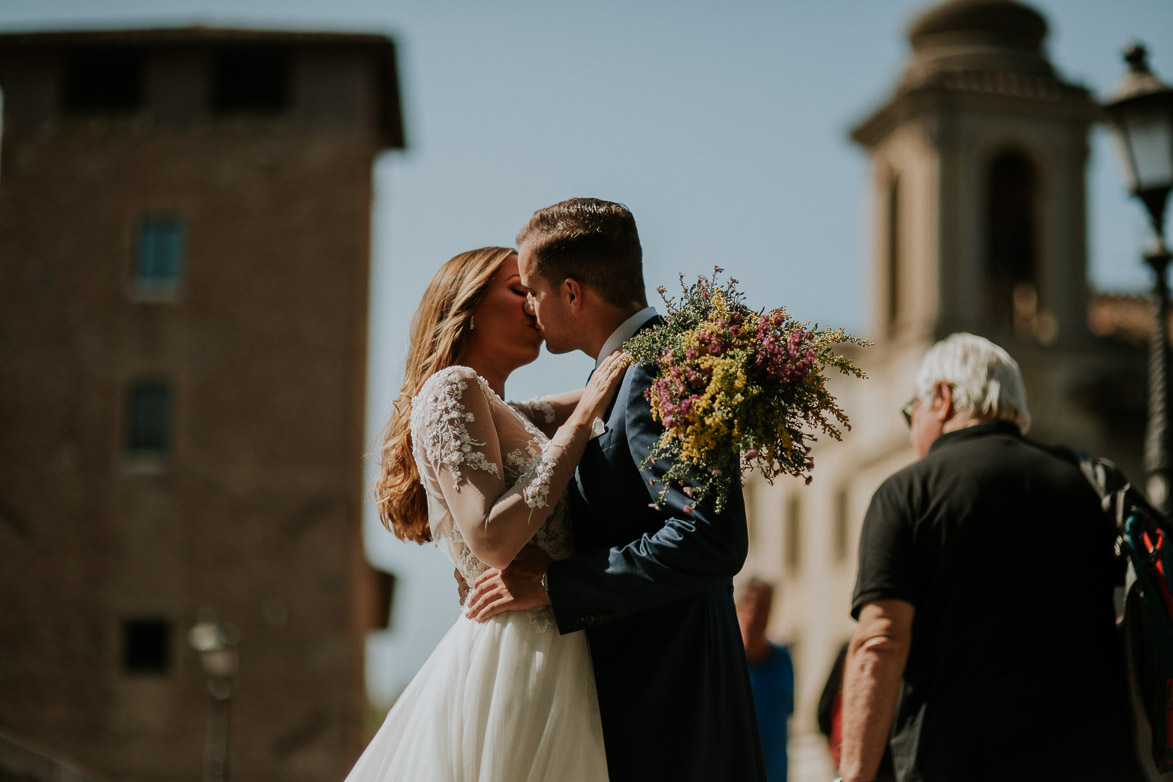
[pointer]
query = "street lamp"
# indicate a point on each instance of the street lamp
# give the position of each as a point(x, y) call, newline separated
point(1140, 116)
point(216, 642)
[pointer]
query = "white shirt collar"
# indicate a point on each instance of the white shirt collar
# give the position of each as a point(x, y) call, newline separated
point(624, 332)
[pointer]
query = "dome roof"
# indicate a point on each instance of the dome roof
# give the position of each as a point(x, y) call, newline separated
point(977, 36)
point(972, 52)
point(1004, 21)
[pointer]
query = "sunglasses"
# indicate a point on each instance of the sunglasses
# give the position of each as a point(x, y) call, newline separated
point(906, 411)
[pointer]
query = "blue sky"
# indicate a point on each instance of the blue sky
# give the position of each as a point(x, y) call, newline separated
point(723, 125)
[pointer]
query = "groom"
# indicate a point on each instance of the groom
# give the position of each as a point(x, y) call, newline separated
point(651, 583)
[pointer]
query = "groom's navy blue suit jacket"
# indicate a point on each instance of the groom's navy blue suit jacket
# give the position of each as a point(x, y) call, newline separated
point(653, 589)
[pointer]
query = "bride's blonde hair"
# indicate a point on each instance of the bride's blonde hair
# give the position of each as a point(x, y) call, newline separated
point(439, 334)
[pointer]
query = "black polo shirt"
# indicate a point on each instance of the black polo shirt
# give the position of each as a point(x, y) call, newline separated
point(1014, 670)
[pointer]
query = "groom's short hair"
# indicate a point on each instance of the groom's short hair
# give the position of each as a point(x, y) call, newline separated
point(592, 241)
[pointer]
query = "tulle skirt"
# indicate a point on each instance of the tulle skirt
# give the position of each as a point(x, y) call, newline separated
point(499, 701)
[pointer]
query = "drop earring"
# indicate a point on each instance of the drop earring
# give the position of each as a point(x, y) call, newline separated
point(472, 323)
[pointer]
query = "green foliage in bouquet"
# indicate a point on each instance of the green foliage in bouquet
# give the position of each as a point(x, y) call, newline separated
point(737, 390)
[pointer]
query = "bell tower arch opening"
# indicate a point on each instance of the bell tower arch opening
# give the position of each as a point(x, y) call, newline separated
point(1011, 241)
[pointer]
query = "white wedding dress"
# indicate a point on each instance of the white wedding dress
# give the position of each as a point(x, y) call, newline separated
point(509, 699)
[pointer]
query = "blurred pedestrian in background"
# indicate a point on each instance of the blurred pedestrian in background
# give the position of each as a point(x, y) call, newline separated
point(984, 597)
point(771, 675)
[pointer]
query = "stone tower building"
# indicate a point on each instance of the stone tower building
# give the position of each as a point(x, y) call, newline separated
point(977, 193)
point(185, 227)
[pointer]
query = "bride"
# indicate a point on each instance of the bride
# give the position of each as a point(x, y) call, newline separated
point(507, 700)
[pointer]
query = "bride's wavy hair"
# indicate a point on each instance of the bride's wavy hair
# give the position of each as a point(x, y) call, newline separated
point(439, 334)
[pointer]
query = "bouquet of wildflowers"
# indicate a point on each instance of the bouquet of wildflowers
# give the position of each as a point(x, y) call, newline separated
point(737, 389)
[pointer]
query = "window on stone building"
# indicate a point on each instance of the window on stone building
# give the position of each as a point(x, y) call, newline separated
point(1011, 235)
point(149, 419)
point(893, 253)
point(250, 79)
point(794, 534)
point(146, 646)
point(841, 531)
point(103, 79)
point(159, 255)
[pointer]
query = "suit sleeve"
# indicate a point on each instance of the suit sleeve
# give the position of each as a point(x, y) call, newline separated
point(694, 550)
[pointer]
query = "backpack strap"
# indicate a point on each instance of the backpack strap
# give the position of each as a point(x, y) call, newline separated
point(1118, 498)
point(1111, 484)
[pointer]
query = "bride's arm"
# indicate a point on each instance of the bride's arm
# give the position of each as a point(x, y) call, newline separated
point(550, 412)
point(496, 520)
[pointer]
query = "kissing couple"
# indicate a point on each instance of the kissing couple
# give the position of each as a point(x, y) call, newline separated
point(599, 639)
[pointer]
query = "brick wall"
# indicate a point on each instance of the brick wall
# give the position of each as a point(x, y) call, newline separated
point(254, 508)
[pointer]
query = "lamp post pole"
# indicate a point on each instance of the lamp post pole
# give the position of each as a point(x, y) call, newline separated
point(216, 749)
point(216, 642)
point(1140, 115)
point(1156, 447)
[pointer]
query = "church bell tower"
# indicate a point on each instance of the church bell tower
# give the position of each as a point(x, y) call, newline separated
point(976, 193)
point(977, 184)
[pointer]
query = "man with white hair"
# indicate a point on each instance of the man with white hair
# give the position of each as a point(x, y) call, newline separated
point(985, 648)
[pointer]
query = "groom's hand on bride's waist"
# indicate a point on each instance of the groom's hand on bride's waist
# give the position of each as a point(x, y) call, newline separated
point(516, 588)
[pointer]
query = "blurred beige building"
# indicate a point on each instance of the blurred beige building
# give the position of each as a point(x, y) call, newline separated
point(977, 195)
point(184, 257)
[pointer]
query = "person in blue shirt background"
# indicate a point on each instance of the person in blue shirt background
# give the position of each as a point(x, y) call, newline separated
point(771, 674)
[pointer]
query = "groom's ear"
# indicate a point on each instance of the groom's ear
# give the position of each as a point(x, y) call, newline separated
point(573, 291)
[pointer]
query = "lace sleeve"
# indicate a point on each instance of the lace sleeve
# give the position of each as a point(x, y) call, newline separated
point(442, 425)
point(536, 468)
point(538, 410)
point(457, 440)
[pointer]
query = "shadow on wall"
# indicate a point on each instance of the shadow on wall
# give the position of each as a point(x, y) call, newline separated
point(20, 762)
